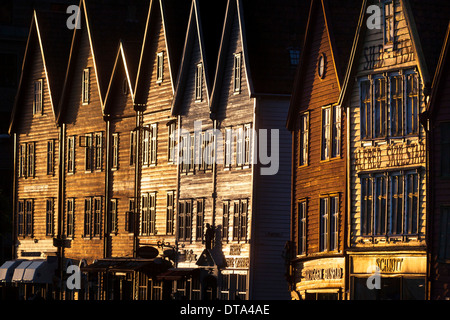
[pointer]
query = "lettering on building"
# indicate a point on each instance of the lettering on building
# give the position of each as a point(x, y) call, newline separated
point(389, 264)
point(237, 262)
point(323, 274)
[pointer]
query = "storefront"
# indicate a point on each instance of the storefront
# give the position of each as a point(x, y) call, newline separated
point(321, 279)
point(388, 276)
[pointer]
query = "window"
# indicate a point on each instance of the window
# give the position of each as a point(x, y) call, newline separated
point(148, 219)
point(200, 219)
point(389, 22)
point(38, 96)
point(25, 217)
point(133, 141)
point(50, 157)
point(31, 159)
point(88, 155)
point(185, 220)
point(240, 220)
point(237, 73)
point(396, 84)
point(113, 215)
point(129, 218)
point(22, 160)
point(88, 217)
point(146, 145)
point(70, 226)
point(199, 82)
point(97, 223)
point(209, 149)
point(98, 151)
point(331, 132)
point(172, 141)
point(160, 67)
point(366, 109)
point(233, 286)
point(329, 217)
point(247, 144)
point(153, 143)
point(301, 210)
point(71, 154)
point(445, 149)
point(27, 159)
point(50, 217)
point(115, 151)
point(303, 139)
point(170, 213)
point(412, 103)
point(85, 83)
point(294, 56)
point(390, 204)
point(444, 239)
point(225, 220)
point(228, 148)
point(380, 108)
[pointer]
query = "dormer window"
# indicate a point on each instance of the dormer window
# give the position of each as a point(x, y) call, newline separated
point(37, 98)
point(160, 67)
point(237, 73)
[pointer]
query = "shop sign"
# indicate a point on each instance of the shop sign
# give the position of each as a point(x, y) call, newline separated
point(323, 274)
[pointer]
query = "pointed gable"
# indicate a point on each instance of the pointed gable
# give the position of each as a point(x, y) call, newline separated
point(50, 38)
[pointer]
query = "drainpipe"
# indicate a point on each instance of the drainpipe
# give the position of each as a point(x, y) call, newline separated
point(14, 200)
point(137, 187)
point(61, 194)
point(107, 195)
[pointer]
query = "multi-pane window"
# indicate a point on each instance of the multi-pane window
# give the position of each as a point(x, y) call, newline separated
point(27, 159)
point(38, 96)
point(247, 144)
point(113, 216)
point(172, 141)
point(302, 211)
point(149, 144)
point(233, 286)
point(228, 148)
point(146, 145)
point(148, 218)
point(97, 223)
point(445, 149)
point(396, 85)
point(329, 217)
point(71, 154)
point(170, 216)
point(185, 220)
point(412, 103)
point(50, 157)
point(70, 218)
point(303, 139)
point(115, 151)
point(85, 86)
point(88, 155)
point(187, 152)
point(98, 150)
point(380, 108)
point(133, 142)
point(153, 143)
point(130, 214)
point(88, 217)
point(237, 72)
point(390, 204)
point(331, 132)
point(240, 220)
point(159, 67)
point(50, 217)
point(25, 217)
point(225, 220)
point(389, 22)
point(200, 219)
point(92, 217)
point(394, 111)
point(199, 82)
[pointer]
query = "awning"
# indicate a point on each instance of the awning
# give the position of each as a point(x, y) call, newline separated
point(178, 274)
point(7, 270)
point(20, 270)
point(40, 272)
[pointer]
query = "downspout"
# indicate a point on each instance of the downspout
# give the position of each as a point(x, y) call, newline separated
point(429, 204)
point(347, 218)
point(107, 194)
point(214, 177)
point(137, 180)
point(61, 200)
point(177, 192)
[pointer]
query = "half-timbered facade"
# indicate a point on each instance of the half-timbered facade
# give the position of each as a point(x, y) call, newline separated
point(319, 134)
point(386, 89)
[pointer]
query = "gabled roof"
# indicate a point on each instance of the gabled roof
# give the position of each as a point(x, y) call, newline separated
point(107, 24)
point(269, 30)
point(341, 19)
point(48, 31)
point(206, 22)
point(427, 23)
point(175, 15)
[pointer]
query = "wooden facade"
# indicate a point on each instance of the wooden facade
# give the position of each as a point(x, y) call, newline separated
point(319, 132)
point(386, 90)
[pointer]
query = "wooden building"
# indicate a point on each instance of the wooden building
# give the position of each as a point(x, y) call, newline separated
point(36, 136)
point(387, 85)
point(227, 91)
point(437, 122)
point(319, 134)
